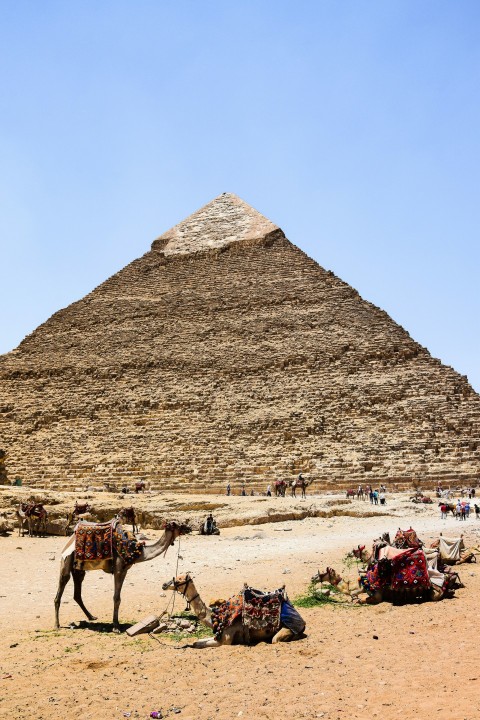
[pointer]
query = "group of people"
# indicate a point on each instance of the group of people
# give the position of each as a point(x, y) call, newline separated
point(447, 493)
point(462, 510)
point(243, 491)
point(375, 496)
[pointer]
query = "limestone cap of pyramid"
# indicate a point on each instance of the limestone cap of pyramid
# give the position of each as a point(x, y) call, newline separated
point(224, 220)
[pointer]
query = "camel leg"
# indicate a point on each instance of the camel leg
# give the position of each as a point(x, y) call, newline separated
point(65, 572)
point(119, 577)
point(211, 642)
point(282, 635)
point(78, 577)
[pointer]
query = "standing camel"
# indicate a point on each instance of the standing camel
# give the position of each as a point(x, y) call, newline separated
point(236, 633)
point(280, 487)
point(117, 567)
point(300, 483)
point(34, 515)
point(129, 516)
point(75, 514)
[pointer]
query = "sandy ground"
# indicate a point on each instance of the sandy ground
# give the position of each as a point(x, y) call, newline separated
point(414, 661)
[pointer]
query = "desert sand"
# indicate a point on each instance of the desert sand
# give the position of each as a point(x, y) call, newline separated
point(412, 661)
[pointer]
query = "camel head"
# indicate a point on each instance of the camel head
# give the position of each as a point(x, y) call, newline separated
point(322, 577)
point(328, 576)
point(179, 584)
point(175, 529)
point(357, 552)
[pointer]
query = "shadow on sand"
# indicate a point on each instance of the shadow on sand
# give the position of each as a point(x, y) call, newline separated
point(100, 627)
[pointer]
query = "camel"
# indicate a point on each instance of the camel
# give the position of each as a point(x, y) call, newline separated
point(75, 514)
point(300, 483)
point(34, 516)
point(236, 634)
point(347, 587)
point(351, 493)
point(467, 555)
point(117, 567)
point(128, 514)
point(352, 590)
point(280, 487)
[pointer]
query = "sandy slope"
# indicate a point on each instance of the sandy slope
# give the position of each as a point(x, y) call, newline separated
point(425, 662)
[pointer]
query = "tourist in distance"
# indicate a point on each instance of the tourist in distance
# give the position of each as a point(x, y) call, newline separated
point(269, 491)
point(229, 489)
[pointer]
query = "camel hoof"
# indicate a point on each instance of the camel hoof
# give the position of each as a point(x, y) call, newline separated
point(116, 630)
point(92, 618)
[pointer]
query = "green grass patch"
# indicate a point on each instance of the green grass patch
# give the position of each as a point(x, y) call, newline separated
point(315, 596)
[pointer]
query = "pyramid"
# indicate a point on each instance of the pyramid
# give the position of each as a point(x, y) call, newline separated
point(225, 354)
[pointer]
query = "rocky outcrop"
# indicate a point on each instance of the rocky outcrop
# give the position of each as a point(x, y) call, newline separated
point(225, 354)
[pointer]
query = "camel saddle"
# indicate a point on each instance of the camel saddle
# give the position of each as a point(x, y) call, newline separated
point(94, 545)
point(258, 611)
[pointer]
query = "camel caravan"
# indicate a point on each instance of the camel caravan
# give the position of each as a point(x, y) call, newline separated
point(403, 570)
point(33, 516)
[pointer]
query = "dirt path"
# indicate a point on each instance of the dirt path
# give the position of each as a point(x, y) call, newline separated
point(386, 662)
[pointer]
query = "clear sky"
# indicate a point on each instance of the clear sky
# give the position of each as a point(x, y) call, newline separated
point(354, 125)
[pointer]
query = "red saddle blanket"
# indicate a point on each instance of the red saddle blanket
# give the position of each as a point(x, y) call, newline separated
point(407, 571)
point(407, 539)
point(96, 542)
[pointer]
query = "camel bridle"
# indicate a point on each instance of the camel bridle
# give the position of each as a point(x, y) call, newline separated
point(184, 584)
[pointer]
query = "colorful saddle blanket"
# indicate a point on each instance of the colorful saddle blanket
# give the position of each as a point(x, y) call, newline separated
point(406, 571)
point(407, 539)
point(95, 543)
point(409, 571)
point(258, 611)
point(261, 611)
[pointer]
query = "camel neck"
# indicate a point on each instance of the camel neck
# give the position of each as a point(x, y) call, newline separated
point(203, 613)
point(157, 548)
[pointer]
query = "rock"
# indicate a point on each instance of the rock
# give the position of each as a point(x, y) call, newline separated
point(162, 627)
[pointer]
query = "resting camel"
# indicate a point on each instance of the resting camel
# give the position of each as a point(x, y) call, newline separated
point(233, 635)
point(352, 589)
point(467, 555)
point(115, 566)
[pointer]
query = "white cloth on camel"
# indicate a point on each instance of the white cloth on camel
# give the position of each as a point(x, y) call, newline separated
point(69, 547)
point(391, 552)
point(450, 548)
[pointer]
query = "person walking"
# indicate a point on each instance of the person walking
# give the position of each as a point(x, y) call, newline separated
point(443, 510)
point(229, 489)
point(375, 497)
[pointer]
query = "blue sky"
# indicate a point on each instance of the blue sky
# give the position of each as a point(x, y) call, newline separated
point(353, 125)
